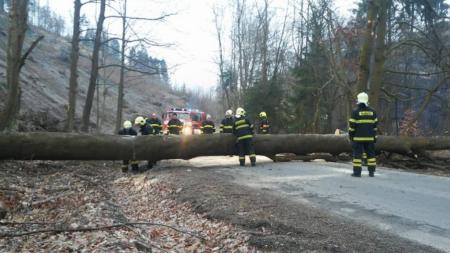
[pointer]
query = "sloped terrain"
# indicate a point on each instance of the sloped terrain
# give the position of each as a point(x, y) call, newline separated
point(45, 85)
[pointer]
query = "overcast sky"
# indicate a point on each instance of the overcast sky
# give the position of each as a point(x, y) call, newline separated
point(192, 56)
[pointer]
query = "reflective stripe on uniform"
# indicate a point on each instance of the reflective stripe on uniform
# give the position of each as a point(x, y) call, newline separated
point(252, 155)
point(242, 121)
point(351, 129)
point(365, 113)
point(155, 125)
point(363, 121)
point(207, 126)
point(363, 138)
point(228, 127)
point(248, 136)
point(242, 158)
point(242, 126)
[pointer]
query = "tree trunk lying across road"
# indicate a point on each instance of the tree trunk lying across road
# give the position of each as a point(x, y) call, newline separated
point(68, 146)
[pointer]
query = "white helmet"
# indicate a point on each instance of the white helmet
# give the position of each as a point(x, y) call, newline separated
point(363, 98)
point(208, 116)
point(139, 121)
point(127, 124)
point(240, 112)
point(229, 113)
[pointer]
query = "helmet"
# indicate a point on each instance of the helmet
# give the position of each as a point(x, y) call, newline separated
point(240, 112)
point(127, 124)
point(262, 114)
point(139, 121)
point(363, 98)
point(229, 113)
point(153, 115)
point(208, 116)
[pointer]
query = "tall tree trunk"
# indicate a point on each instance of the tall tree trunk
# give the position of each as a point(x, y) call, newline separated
point(18, 16)
point(94, 69)
point(73, 81)
point(366, 49)
point(378, 67)
point(122, 69)
point(2, 6)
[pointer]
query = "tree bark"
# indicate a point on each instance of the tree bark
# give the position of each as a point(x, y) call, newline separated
point(94, 69)
point(366, 49)
point(73, 81)
point(378, 67)
point(18, 16)
point(122, 70)
point(68, 146)
point(2, 6)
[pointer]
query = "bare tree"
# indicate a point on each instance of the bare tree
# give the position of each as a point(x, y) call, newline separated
point(73, 81)
point(2, 6)
point(18, 16)
point(366, 48)
point(94, 68)
point(122, 68)
point(378, 66)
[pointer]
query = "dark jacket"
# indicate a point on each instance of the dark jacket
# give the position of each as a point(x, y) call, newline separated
point(175, 126)
point(208, 127)
point(242, 128)
point(264, 126)
point(127, 131)
point(145, 129)
point(155, 124)
point(363, 124)
point(226, 126)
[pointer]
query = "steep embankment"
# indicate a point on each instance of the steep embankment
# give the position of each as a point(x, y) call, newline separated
point(45, 84)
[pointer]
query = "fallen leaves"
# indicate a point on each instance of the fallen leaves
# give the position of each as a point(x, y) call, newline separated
point(95, 208)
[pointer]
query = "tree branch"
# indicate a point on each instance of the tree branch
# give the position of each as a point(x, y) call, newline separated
point(88, 229)
point(161, 18)
point(28, 52)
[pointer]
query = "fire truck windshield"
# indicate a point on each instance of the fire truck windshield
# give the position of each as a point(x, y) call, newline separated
point(183, 116)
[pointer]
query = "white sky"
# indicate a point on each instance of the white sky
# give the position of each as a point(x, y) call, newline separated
point(192, 31)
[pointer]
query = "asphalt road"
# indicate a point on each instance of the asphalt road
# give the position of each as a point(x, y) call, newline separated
point(413, 206)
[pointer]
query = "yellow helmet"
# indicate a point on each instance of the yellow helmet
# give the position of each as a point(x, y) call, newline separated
point(240, 112)
point(127, 124)
point(229, 113)
point(363, 98)
point(262, 114)
point(139, 121)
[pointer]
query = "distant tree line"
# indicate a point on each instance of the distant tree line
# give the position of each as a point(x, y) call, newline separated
point(304, 64)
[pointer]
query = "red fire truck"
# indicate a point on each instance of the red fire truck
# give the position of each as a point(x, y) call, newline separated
point(192, 119)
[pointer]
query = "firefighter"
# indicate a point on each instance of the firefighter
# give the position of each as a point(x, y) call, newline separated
point(175, 126)
point(263, 123)
point(155, 123)
point(227, 123)
point(208, 125)
point(144, 129)
point(128, 130)
point(363, 134)
point(243, 130)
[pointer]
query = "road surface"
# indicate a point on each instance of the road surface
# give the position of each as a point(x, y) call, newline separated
point(413, 206)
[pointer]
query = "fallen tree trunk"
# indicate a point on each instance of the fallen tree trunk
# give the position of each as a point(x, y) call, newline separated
point(67, 146)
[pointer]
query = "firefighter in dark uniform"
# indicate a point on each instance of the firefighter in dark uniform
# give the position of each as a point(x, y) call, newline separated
point(144, 129)
point(128, 130)
point(208, 125)
point(243, 130)
point(155, 124)
point(226, 126)
point(363, 134)
point(175, 126)
point(263, 123)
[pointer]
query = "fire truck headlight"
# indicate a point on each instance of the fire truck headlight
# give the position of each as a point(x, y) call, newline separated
point(188, 124)
point(187, 130)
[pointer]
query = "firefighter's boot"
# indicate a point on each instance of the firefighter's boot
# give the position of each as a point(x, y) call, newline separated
point(242, 161)
point(253, 160)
